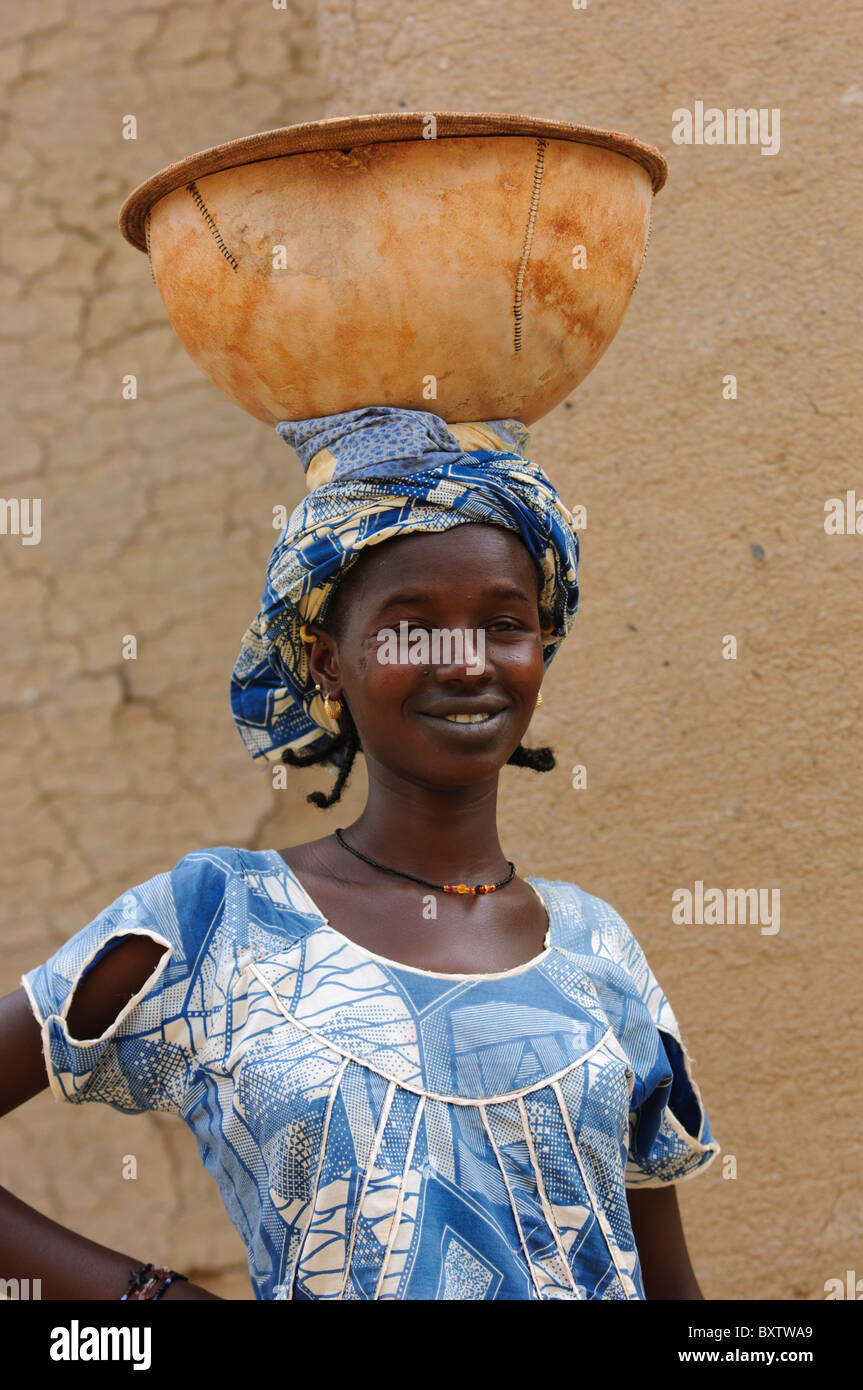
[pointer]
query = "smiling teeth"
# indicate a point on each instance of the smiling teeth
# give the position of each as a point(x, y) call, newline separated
point(468, 718)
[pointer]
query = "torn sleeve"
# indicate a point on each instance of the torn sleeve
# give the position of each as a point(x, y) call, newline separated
point(145, 1059)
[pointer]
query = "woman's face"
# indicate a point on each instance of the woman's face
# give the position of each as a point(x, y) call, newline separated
point(477, 583)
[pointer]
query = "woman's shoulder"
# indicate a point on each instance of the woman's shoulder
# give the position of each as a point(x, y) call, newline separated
point(583, 917)
point(588, 926)
point(206, 901)
point(595, 935)
point(215, 908)
point(231, 879)
point(220, 865)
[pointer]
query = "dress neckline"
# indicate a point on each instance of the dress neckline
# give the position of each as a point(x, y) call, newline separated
point(548, 903)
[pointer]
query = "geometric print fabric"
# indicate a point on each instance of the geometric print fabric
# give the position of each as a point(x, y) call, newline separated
point(383, 1132)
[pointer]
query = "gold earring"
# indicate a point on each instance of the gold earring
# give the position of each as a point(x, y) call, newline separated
point(332, 707)
point(538, 700)
point(306, 636)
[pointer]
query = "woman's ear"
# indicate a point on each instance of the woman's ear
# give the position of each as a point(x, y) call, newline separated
point(324, 657)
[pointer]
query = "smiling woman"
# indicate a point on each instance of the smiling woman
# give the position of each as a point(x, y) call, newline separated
point(413, 1073)
point(471, 707)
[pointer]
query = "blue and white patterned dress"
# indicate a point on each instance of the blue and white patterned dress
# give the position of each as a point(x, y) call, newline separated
point(380, 1131)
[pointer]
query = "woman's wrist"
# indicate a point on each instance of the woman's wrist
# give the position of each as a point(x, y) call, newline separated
point(156, 1282)
point(149, 1282)
point(67, 1265)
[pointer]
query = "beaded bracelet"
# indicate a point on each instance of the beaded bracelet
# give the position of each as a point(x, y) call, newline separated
point(149, 1282)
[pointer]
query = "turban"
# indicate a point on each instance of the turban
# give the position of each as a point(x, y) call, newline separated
point(374, 474)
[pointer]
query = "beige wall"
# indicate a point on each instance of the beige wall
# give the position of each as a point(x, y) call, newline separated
point(705, 518)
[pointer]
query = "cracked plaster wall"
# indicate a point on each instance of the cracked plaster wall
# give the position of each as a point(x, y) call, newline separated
point(704, 518)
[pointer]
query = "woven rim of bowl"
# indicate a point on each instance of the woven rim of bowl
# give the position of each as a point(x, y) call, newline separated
point(347, 132)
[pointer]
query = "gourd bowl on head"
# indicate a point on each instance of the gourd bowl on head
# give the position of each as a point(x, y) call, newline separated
point(475, 265)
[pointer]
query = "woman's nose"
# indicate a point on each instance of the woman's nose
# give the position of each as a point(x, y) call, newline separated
point(460, 652)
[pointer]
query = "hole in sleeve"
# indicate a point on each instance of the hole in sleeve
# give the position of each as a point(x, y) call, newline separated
point(119, 972)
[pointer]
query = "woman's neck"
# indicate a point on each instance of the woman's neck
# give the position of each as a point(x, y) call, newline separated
point(444, 835)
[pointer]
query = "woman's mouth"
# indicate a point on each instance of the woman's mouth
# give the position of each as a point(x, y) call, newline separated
point(485, 720)
point(465, 718)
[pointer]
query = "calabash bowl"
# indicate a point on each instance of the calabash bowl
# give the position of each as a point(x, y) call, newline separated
point(475, 265)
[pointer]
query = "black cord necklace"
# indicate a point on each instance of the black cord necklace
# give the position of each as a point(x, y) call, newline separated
point(442, 887)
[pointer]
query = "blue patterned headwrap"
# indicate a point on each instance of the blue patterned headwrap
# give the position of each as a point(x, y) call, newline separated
point(374, 474)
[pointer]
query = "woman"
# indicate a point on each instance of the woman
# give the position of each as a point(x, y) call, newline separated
point(414, 1074)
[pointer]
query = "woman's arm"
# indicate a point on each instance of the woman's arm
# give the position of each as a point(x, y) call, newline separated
point(656, 1225)
point(31, 1245)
